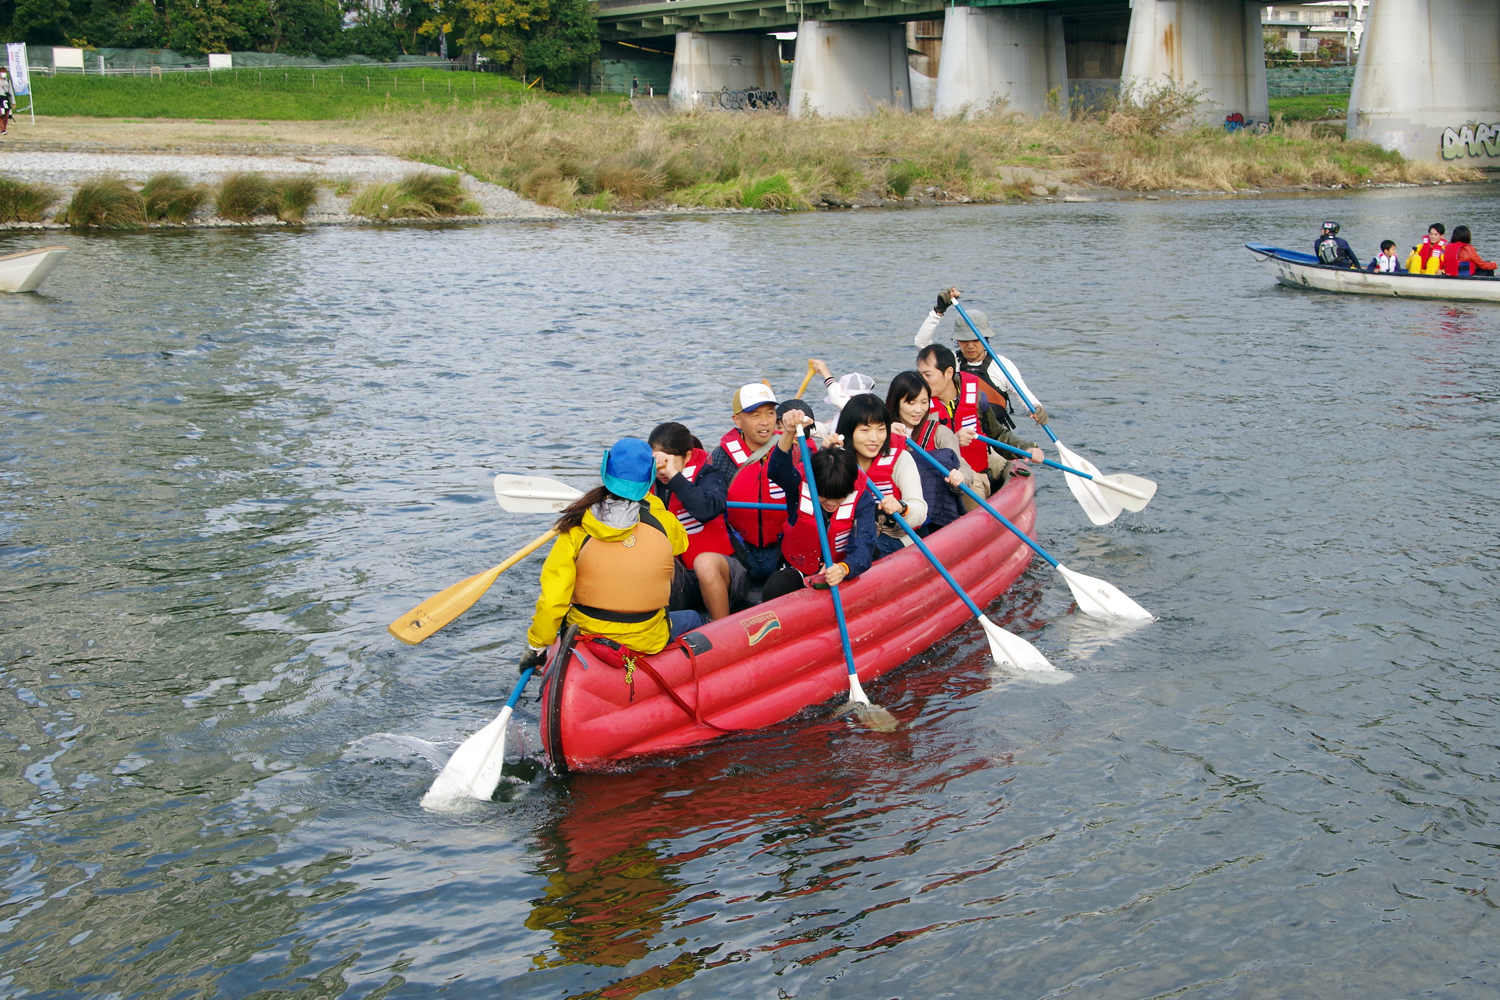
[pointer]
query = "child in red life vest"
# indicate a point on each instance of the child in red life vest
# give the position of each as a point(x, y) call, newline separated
point(847, 510)
point(707, 578)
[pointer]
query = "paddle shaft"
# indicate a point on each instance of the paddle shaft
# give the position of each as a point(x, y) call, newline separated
point(985, 504)
point(817, 516)
point(942, 570)
point(1001, 365)
point(438, 611)
point(805, 380)
point(1023, 453)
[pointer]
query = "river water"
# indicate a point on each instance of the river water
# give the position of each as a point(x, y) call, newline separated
point(231, 458)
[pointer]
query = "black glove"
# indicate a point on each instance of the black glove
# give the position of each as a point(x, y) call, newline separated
point(533, 659)
point(943, 302)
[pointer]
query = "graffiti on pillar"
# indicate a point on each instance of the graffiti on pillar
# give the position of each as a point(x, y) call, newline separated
point(739, 100)
point(1471, 140)
point(1237, 122)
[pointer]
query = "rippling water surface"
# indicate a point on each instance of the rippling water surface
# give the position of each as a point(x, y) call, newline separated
point(229, 459)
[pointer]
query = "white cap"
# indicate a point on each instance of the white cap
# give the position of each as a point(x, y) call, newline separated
point(750, 396)
point(853, 384)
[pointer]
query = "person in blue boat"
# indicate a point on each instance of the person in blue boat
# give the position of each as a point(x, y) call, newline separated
point(1331, 248)
point(1387, 261)
point(610, 569)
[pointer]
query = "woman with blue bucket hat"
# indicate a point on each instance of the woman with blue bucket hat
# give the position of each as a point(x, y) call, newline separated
point(610, 569)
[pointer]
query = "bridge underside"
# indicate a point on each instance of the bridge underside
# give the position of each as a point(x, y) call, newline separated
point(1427, 84)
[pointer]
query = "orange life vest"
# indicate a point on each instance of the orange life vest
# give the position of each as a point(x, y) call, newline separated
point(710, 537)
point(799, 542)
point(629, 580)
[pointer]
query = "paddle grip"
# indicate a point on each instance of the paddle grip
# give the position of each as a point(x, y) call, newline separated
point(983, 503)
point(817, 516)
point(1001, 365)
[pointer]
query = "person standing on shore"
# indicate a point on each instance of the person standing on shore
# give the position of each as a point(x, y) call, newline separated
point(7, 99)
point(635, 85)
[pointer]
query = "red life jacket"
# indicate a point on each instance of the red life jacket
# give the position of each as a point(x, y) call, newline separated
point(710, 537)
point(759, 528)
point(1428, 249)
point(799, 542)
point(1450, 259)
point(881, 468)
point(965, 417)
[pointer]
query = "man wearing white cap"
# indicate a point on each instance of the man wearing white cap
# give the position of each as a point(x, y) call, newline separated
point(742, 457)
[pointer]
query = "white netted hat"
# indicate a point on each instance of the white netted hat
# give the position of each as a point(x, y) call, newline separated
point(853, 384)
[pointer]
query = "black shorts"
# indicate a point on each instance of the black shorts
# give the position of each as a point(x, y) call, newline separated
point(687, 597)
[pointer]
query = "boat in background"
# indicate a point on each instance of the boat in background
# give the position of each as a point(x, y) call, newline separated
point(767, 663)
point(1303, 270)
point(22, 272)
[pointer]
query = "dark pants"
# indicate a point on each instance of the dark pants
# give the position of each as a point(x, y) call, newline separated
point(760, 562)
point(782, 582)
point(683, 621)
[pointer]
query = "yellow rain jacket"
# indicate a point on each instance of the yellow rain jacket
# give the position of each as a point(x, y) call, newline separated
point(618, 564)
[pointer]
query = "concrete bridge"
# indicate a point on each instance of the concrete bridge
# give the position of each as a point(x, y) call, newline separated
point(1427, 83)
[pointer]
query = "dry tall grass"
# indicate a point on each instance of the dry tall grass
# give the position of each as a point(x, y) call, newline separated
point(604, 156)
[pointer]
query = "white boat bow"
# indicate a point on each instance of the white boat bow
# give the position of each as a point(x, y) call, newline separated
point(22, 272)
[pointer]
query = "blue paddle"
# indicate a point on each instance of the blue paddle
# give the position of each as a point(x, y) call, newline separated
point(875, 716)
point(1094, 596)
point(1130, 492)
point(1006, 647)
point(1099, 508)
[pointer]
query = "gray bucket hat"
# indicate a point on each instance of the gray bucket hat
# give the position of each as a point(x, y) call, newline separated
point(961, 329)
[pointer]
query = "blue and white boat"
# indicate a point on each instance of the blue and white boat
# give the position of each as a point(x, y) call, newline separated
point(1303, 270)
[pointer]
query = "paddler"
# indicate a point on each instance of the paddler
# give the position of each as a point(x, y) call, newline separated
point(973, 359)
point(708, 577)
point(959, 405)
point(846, 508)
point(742, 458)
point(610, 569)
point(865, 429)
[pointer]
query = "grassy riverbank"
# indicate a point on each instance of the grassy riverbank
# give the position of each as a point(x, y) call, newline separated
point(280, 94)
point(606, 157)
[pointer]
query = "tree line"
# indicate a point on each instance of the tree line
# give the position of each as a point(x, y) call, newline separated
point(556, 39)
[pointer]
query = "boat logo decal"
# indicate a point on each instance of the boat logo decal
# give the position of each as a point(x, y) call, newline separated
point(760, 626)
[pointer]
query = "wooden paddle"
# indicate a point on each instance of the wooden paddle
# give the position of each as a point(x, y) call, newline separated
point(805, 379)
point(440, 609)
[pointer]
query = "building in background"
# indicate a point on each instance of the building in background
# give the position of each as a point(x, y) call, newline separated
point(1328, 30)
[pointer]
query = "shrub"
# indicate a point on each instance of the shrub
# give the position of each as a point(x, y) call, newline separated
point(900, 178)
point(105, 203)
point(22, 202)
point(241, 197)
point(442, 192)
point(389, 201)
point(291, 197)
point(170, 197)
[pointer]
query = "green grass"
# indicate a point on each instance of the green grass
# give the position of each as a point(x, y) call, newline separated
point(170, 197)
point(269, 94)
point(105, 203)
point(22, 202)
point(1311, 107)
point(415, 196)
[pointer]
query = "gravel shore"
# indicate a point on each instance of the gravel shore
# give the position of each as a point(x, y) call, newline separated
point(346, 167)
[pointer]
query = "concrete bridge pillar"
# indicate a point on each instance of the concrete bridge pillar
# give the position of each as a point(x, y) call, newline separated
point(992, 53)
point(844, 69)
point(1214, 46)
point(1428, 80)
point(725, 71)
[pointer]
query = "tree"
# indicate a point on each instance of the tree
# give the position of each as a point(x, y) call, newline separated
point(565, 45)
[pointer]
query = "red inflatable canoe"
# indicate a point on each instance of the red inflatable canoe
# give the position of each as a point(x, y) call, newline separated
point(767, 663)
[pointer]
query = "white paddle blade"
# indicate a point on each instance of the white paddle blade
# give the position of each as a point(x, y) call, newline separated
point(474, 769)
point(1097, 597)
point(1010, 650)
point(874, 716)
point(533, 494)
point(1131, 492)
point(1099, 508)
